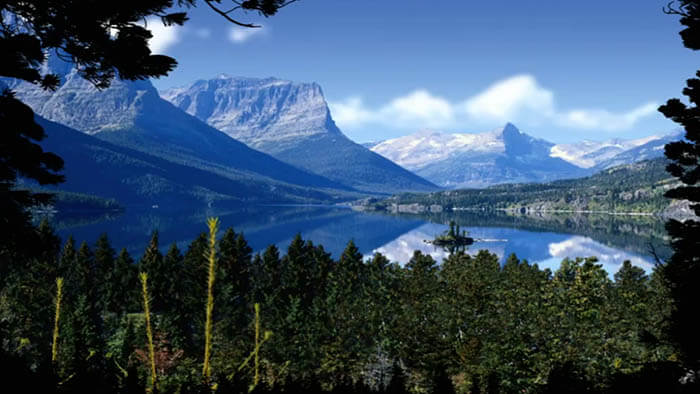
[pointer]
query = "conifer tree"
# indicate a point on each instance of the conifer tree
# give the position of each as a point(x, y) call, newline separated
point(195, 268)
point(233, 280)
point(48, 244)
point(268, 281)
point(104, 269)
point(67, 257)
point(25, 297)
point(682, 271)
point(176, 324)
point(423, 344)
point(296, 272)
point(83, 328)
point(159, 277)
point(349, 341)
point(119, 289)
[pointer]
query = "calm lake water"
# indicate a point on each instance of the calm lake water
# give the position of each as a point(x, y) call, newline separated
point(544, 240)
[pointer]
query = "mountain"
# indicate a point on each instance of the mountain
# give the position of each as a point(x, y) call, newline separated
point(652, 149)
point(371, 144)
point(136, 178)
point(503, 155)
point(637, 187)
point(132, 115)
point(606, 154)
point(292, 122)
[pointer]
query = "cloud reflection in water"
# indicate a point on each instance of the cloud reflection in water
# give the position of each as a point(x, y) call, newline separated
point(547, 249)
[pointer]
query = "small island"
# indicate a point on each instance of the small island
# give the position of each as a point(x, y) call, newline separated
point(452, 240)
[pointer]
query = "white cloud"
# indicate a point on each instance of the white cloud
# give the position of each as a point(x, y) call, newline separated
point(611, 259)
point(239, 35)
point(605, 120)
point(506, 99)
point(351, 112)
point(417, 107)
point(164, 37)
point(518, 99)
point(420, 106)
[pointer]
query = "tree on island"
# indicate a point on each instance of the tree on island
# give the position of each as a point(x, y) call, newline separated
point(682, 271)
point(452, 240)
point(104, 40)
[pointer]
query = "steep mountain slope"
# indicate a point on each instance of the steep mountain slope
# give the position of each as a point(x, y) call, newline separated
point(132, 115)
point(135, 178)
point(476, 160)
point(292, 122)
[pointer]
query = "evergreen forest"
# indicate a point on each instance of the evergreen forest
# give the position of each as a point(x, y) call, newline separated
point(217, 317)
point(301, 321)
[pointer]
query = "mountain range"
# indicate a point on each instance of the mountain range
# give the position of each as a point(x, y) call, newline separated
point(506, 155)
point(190, 158)
point(268, 140)
point(291, 122)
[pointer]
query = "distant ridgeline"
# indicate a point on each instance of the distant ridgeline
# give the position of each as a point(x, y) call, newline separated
point(629, 188)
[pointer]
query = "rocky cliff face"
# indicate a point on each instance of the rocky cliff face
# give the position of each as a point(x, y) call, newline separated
point(292, 122)
point(78, 104)
point(132, 115)
point(266, 114)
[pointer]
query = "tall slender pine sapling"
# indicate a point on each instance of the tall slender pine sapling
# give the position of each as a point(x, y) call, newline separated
point(256, 377)
point(149, 332)
point(213, 224)
point(57, 316)
point(255, 354)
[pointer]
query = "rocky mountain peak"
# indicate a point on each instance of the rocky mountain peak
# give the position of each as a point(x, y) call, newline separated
point(510, 130)
point(78, 104)
point(256, 111)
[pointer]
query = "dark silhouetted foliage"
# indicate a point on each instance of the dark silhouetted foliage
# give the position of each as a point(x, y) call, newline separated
point(682, 271)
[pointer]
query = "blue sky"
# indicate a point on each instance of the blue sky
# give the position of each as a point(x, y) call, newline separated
point(559, 70)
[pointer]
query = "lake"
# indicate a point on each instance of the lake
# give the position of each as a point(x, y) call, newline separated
point(541, 239)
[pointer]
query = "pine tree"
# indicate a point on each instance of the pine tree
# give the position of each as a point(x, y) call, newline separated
point(195, 285)
point(67, 257)
point(159, 277)
point(120, 285)
point(233, 280)
point(296, 271)
point(268, 282)
point(104, 269)
point(83, 336)
point(423, 344)
point(176, 326)
point(682, 271)
point(27, 289)
point(348, 341)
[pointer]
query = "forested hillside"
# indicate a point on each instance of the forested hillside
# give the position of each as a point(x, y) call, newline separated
point(637, 187)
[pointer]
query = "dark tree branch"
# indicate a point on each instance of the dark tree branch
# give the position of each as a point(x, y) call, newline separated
point(657, 260)
point(228, 18)
point(233, 9)
point(669, 10)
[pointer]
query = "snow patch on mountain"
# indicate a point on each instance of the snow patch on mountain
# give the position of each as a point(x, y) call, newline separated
point(420, 149)
point(588, 154)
